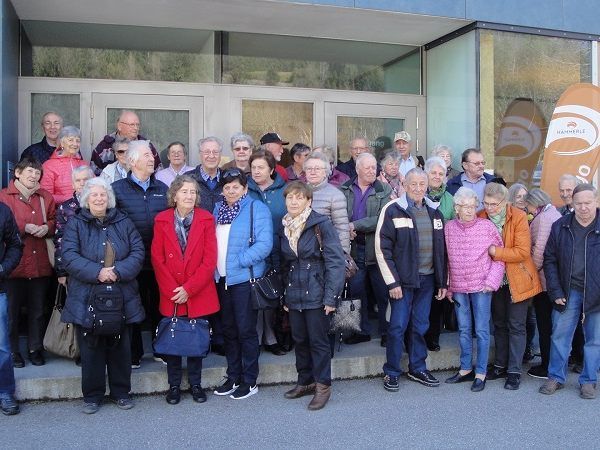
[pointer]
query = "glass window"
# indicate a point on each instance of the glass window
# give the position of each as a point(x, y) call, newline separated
point(67, 105)
point(521, 78)
point(379, 132)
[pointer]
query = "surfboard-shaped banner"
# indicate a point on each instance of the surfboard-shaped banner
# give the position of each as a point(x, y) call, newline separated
point(573, 139)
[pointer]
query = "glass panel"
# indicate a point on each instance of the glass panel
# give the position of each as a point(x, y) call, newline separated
point(293, 121)
point(452, 95)
point(67, 105)
point(522, 77)
point(161, 126)
point(378, 131)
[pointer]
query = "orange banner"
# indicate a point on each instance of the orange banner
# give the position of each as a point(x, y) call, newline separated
point(520, 141)
point(573, 140)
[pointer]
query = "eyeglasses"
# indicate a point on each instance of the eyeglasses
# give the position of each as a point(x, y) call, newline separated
point(211, 152)
point(467, 207)
point(492, 205)
point(120, 152)
point(237, 149)
point(313, 169)
point(132, 125)
point(480, 163)
point(56, 124)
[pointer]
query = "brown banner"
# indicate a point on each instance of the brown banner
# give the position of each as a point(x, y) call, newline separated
point(520, 141)
point(573, 140)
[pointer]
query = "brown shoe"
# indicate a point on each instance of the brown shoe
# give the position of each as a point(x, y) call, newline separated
point(300, 391)
point(588, 391)
point(322, 394)
point(550, 386)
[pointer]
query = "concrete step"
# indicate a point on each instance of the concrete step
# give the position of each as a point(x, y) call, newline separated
point(61, 378)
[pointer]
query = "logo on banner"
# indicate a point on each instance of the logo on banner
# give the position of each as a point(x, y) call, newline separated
point(580, 122)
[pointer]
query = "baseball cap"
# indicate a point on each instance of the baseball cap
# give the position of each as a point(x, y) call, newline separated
point(272, 137)
point(402, 135)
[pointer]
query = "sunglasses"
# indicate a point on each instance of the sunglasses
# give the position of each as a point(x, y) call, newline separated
point(233, 174)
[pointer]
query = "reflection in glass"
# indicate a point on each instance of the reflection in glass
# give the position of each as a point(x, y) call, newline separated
point(378, 131)
point(67, 105)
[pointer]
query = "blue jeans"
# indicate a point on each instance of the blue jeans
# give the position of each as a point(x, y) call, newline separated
point(563, 328)
point(7, 373)
point(481, 304)
point(413, 307)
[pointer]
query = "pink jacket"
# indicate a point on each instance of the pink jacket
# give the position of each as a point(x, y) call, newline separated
point(57, 175)
point(540, 231)
point(470, 267)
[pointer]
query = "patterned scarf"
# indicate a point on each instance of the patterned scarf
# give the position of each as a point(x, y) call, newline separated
point(436, 194)
point(293, 226)
point(182, 228)
point(227, 214)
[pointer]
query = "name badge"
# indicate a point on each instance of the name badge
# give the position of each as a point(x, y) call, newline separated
point(438, 224)
point(403, 222)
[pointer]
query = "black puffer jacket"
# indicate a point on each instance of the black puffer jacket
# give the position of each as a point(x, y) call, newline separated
point(141, 207)
point(313, 278)
point(11, 247)
point(83, 257)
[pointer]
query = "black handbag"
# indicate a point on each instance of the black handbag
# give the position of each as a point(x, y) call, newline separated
point(266, 291)
point(182, 336)
point(346, 317)
point(106, 313)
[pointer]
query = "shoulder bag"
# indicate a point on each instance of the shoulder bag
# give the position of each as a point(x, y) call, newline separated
point(350, 265)
point(106, 312)
point(346, 317)
point(49, 241)
point(60, 337)
point(182, 336)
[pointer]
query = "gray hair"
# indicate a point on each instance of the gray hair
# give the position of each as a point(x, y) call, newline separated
point(363, 156)
point(69, 131)
point(416, 171)
point(569, 177)
point(126, 111)
point(464, 194)
point(134, 149)
point(536, 197)
point(496, 190)
point(514, 190)
point(435, 161)
point(439, 148)
point(327, 151)
point(214, 139)
point(119, 141)
point(362, 138)
point(240, 137)
point(389, 157)
point(87, 188)
point(177, 184)
point(582, 187)
point(79, 169)
point(47, 113)
point(319, 157)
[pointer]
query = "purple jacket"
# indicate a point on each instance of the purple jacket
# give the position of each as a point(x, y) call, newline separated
point(471, 268)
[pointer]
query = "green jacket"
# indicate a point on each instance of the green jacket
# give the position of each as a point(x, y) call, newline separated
point(377, 199)
point(445, 204)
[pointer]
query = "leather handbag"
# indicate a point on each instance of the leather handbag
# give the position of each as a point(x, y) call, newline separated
point(60, 337)
point(49, 242)
point(182, 336)
point(350, 265)
point(346, 318)
point(266, 291)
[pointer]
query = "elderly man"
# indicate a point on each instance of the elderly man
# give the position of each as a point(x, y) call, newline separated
point(12, 249)
point(473, 177)
point(411, 254)
point(128, 127)
point(273, 144)
point(566, 185)
point(571, 267)
point(358, 145)
point(142, 197)
point(402, 143)
point(177, 156)
point(365, 198)
point(51, 125)
point(207, 173)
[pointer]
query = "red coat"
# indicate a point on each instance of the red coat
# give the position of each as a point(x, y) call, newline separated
point(34, 262)
point(194, 270)
point(57, 175)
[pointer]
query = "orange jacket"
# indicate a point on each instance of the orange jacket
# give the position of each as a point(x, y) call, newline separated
point(523, 279)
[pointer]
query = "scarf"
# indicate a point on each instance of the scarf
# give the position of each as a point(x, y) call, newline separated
point(227, 214)
point(26, 192)
point(182, 228)
point(436, 194)
point(293, 226)
point(499, 220)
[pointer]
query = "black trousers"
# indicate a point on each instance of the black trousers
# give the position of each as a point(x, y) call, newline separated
point(100, 354)
point(175, 370)
point(150, 297)
point(510, 335)
point(313, 353)
point(543, 316)
point(31, 292)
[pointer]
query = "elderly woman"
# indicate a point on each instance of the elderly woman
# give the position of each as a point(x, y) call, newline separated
point(390, 174)
point(314, 279)
point(244, 241)
point(177, 156)
point(102, 251)
point(57, 170)
point(539, 205)
point(242, 146)
point(64, 212)
point(326, 198)
point(184, 257)
point(117, 170)
point(298, 154)
point(34, 211)
point(473, 276)
point(445, 152)
point(435, 167)
point(516, 196)
point(520, 284)
point(336, 177)
point(267, 186)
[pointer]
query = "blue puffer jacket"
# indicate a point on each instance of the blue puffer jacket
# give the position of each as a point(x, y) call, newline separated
point(240, 255)
point(141, 207)
point(83, 258)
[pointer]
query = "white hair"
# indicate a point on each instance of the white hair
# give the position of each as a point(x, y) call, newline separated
point(465, 194)
point(434, 161)
point(319, 157)
point(77, 170)
point(87, 188)
point(363, 156)
point(134, 150)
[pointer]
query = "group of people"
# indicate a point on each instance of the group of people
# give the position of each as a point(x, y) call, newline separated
point(185, 241)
